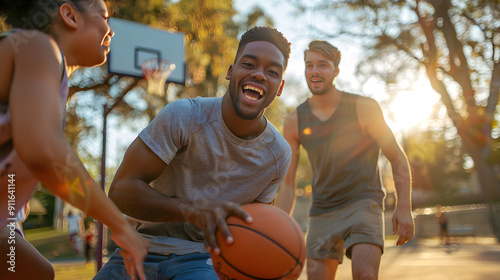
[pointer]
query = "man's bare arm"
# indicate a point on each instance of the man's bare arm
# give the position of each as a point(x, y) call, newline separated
point(372, 121)
point(286, 192)
point(131, 192)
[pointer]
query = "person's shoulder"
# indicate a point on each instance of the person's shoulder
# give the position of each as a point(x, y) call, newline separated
point(291, 119)
point(197, 106)
point(362, 98)
point(31, 38)
point(365, 103)
point(191, 112)
point(280, 148)
point(277, 141)
point(303, 105)
point(194, 103)
point(291, 115)
point(33, 44)
point(179, 107)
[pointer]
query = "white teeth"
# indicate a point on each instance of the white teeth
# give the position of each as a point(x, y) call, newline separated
point(251, 97)
point(254, 89)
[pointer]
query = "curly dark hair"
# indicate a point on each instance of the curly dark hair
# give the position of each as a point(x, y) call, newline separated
point(36, 14)
point(268, 34)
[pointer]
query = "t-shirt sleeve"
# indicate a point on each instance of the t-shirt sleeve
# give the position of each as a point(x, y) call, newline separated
point(169, 130)
point(283, 163)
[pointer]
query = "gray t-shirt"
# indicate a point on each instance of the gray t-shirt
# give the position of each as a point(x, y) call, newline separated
point(207, 162)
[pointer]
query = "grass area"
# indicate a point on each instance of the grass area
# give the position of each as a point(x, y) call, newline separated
point(391, 237)
point(74, 271)
point(56, 247)
point(52, 244)
point(42, 233)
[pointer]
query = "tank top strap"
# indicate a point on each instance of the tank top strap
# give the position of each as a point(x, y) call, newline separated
point(64, 87)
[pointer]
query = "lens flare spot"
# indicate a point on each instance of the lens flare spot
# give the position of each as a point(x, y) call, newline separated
point(307, 131)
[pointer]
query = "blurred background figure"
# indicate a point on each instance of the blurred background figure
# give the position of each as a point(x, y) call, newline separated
point(90, 239)
point(442, 220)
point(74, 229)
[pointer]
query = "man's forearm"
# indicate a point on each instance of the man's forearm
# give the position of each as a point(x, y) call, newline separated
point(402, 181)
point(286, 198)
point(137, 199)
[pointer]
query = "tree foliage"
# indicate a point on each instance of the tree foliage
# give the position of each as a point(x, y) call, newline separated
point(3, 25)
point(438, 172)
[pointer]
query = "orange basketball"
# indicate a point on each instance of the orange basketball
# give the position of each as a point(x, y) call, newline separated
point(271, 247)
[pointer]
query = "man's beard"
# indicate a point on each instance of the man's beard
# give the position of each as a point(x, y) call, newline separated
point(319, 92)
point(322, 91)
point(235, 97)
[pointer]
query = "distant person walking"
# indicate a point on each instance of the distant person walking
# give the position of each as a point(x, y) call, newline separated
point(442, 220)
point(90, 238)
point(74, 229)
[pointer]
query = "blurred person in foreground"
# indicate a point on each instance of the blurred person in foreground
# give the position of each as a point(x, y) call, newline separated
point(48, 41)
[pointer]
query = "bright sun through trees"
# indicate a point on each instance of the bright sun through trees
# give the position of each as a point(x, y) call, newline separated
point(411, 108)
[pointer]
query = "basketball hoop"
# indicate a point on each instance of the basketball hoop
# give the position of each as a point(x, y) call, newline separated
point(156, 72)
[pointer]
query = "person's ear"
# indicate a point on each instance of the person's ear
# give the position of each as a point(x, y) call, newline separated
point(337, 70)
point(229, 72)
point(281, 88)
point(68, 15)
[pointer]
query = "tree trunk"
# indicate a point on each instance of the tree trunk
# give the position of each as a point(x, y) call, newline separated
point(490, 185)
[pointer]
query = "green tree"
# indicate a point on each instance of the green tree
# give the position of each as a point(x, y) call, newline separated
point(212, 28)
point(3, 25)
point(211, 36)
point(438, 169)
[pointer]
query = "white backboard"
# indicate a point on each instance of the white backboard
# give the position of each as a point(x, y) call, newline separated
point(134, 43)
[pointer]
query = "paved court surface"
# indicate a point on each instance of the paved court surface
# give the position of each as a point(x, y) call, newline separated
point(464, 259)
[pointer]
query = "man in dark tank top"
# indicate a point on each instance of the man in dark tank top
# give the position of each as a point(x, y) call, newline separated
point(343, 135)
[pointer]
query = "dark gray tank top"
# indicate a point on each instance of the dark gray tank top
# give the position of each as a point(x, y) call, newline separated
point(343, 159)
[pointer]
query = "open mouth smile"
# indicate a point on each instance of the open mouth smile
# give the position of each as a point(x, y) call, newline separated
point(252, 93)
point(316, 80)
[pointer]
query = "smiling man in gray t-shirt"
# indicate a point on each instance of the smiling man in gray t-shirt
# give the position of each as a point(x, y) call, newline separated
point(199, 160)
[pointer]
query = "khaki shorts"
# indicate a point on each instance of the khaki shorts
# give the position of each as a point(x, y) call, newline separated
point(330, 233)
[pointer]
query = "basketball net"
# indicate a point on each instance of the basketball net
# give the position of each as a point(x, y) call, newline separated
point(156, 72)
